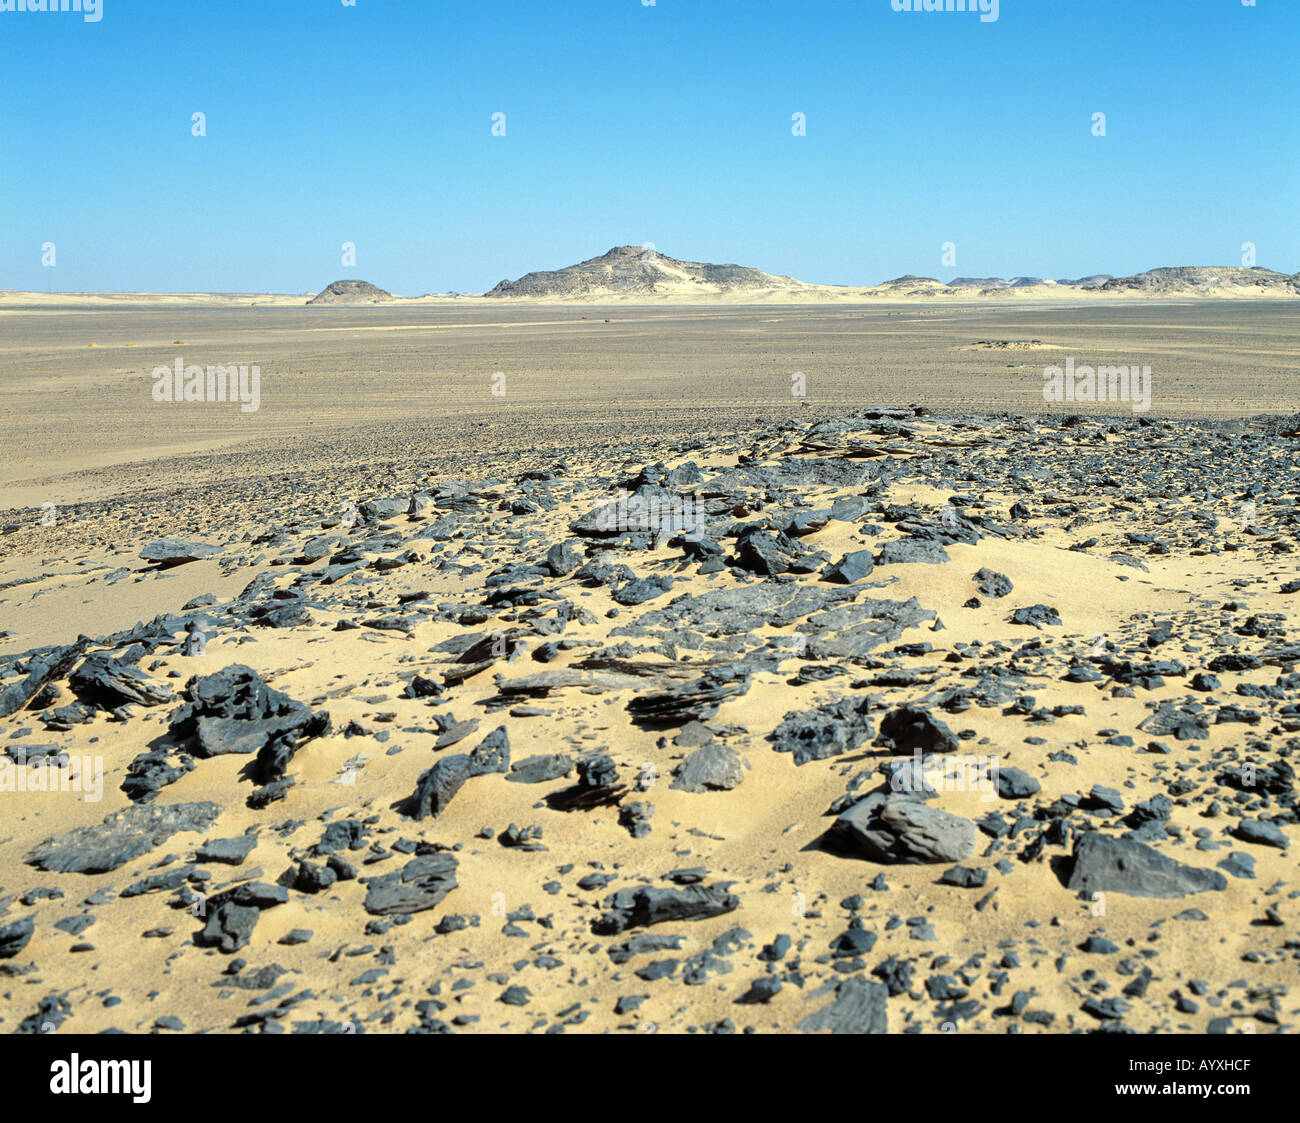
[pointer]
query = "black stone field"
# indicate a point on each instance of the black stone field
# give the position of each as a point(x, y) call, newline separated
point(872, 720)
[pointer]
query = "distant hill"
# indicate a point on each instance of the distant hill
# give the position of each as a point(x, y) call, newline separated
point(910, 285)
point(629, 270)
point(977, 283)
point(636, 273)
point(1196, 279)
point(1092, 281)
point(351, 292)
point(1193, 280)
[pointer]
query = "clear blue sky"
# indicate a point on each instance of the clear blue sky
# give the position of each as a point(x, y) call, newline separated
point(628, 123)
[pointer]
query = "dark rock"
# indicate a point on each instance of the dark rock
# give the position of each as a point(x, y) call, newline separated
point(516, 996)
point(992, 583)
point(75, 925)
point(563, 558)
point(421, 687)
point(421, 884)
point(692, 701)
point(763, 553)
point(438, 785)
point(912, 730)
point(227, 851)
point(492, 753)
point(901, 829)
point(712, 767)
point(643, 944)
point(309, 877)
point(902, 551)
point(110, 683)
point(150, 772)
point(730, 612)
point(14, 936)
point(229, 927)
point(1157, 809)
point(642, 590)
point(451, 731)
point(1261, 833)
point(1238, 865)
point(1012, 783)
point(596, 772)
point(635, 817)
point(234, 711)
point(808, 522)
point(833, 729)
point(168, 552)
point(860, 1006)
point(160, 882)
point(316, 548)
point(965, 878)
point(539, 769)
point(854, 941)
point(53, 664)
point(643, 906)
point(1100, 797)
point(762, 989)
point(122, 836)
point(1182, 724)
point(1037, 615)
point(377, 510)
point(853, 566)
point(849, 507)
point(1105, 864)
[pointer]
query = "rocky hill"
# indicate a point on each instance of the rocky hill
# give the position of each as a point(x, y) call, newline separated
point(1194, 279)
point(631, 272)
point(628, 270)
point(351, 292)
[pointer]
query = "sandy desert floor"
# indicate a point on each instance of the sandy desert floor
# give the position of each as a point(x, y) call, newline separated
point(340, 385)
point(944, 711)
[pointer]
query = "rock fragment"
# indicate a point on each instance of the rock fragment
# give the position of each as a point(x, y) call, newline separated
point(1105, 864)
point(713, 767)
point(122, 836)
point(890, 828)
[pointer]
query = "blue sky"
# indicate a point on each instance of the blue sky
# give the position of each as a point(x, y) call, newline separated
point(631, 123)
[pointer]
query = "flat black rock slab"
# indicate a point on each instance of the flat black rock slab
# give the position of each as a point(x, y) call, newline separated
point(122, 836)
point(1105, 864)
point(859, 1007)
point(644, 906)
point(419, 885)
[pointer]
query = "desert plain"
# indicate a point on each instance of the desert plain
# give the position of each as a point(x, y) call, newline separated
point(649, 667)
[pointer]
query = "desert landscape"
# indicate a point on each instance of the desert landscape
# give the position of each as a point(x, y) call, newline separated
point(524, 664)
point(647, 520)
